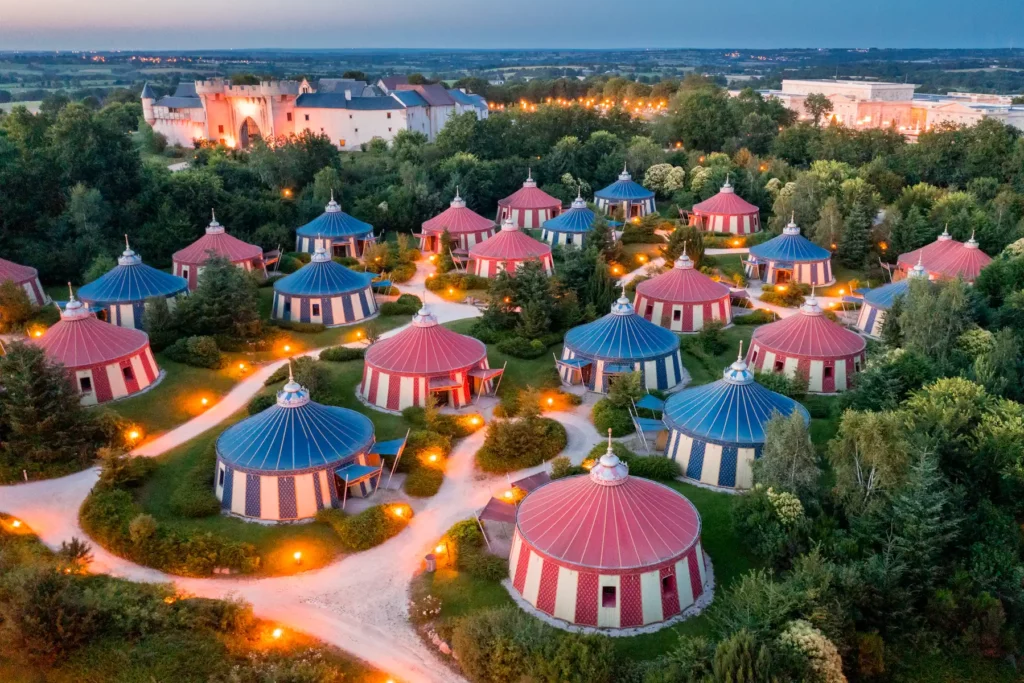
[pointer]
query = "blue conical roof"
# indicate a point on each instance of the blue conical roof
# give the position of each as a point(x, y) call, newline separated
point(624, 189)
point(334, 222)
point(322, 277)
point(295, 435)
point(790, 247)
point(577, 219)
point(731, 411)
point(131, 280)
point(622, 335)
point(884, 296)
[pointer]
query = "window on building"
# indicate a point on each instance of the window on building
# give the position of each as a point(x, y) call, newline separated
point(828, 372)
point(220, 129)
point(220, 479)
point(389, 115)
point(85, 383)
point(128, 373)
point(341, 142)
point(316, 309)
point(307, 117)
point(321, 130)
point(357, 130)
point(287, 306)
point(753, 358)
point(668, 583)
point(650, 310)
point(677, 315)
point(608, 596)
point(389, 130)
point(856, 364)
point(184, 272)
point(350, 115)
point(289, 115)
point(778, 366)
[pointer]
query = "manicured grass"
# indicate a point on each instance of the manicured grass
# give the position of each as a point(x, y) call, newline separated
point(639, 255)
point(460, 592)
point(539, 373)
point(709, 369)
point(729, 265)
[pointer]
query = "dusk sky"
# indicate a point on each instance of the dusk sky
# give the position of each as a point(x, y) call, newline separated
point(190, 24)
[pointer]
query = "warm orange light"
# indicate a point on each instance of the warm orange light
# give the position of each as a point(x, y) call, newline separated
point(204, 400)
point(297, 556)
point(841, 292)
point(277, 633)
point(399, 511)
point(133, 434)
point(883, 246)
point(833, 245)
point(736, 243)
point(433, 257)
point(241, 366)
point(641, 258)
point(359, 334)
point(508, 300)
point(451, 291)
point(551, 401)
point(16, 524)
point(169, 599)
point(37, 333)
point(433, 457)
point(286, 193)
point(678, 145)
point(474, 421)
point(439, 548)
point(780, 288)
point(430, 275)
point(508, 494)
point(287, 348)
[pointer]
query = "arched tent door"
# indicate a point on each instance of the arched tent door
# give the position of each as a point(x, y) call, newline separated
point(248, 133)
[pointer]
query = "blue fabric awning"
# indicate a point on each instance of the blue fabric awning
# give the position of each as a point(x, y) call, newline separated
point(388, 448)
point(651, 402)
point(617, 369)
point(322, 278)
point(381, 284)
point(646, 424)
point(576, 363)
point(354, 473)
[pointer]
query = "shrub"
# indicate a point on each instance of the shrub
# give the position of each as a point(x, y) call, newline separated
point(199, 352)
point(562, 467)
point(710, 338)
point(118, 469)
point(410, 300)
point(423, 481)
point(295, 326)
point(758, 317)
point(395, 308)
point(606, 415)
point(341, 354)
point(461, 281)
point(307, 371)
point(260, 403)
point(516, 444)
point(142, 528)
point(518, 347)
point(795, 387)
point(482, 564)
point(194, 495)
point(656, 467)
point(790, 297)
point(367, 529)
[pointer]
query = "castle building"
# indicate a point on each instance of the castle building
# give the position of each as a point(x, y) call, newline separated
point(350, 112)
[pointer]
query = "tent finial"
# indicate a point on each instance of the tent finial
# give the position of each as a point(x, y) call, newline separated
point(71, 292)
point(739, 356)
point(213, 215)
point(126, 246)
point(610, 440)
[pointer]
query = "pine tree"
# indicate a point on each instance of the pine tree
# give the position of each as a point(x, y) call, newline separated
point(892, 332)
point(684, 236)
point(225, 303)
point(601, 291)
point(15, 307)
point(788, 461)
point(445, 262)
point(602, 236)
point(855, 240)
point(828, 229)
point(160, 323)
point(910, 232)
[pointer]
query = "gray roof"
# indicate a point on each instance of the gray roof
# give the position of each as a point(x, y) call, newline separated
point(468, 99)
point(328, 85)
point(434, 94)
point(409, 98)
point(186, 89)
point(147, 92)
point(392, 82)
point(331, 100)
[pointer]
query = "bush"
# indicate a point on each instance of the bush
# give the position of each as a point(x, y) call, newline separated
point(526, 442)
point(307, 371)
point(482, 564)
point(395, 308)
point(710, 338)
point(295, 326)
point(606, 415)
point(518, 347)
point(367, 529)
point(791, 297)
point(485, 333)
point(461, 281)
point(423, 481)
point(656, 467)
point(260, 403)
point(199, 352)
point(758, 317)
point(562, 467)
point(795, 387)
point(194, 495)
point(341, 354)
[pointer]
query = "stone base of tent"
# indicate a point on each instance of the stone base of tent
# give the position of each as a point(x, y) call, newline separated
point(665, 373)
point(698, 606)
point(392, 393)
point(732, 225)
point(608, 600)
point(555, 238)
point(687, 318)
point(870, 321)
point(340, 246)
point(824, 376)
point(333, 311)
point(817, 273)
point(719, 465)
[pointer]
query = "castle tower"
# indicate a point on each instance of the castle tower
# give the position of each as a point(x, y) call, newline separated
point(148, 98)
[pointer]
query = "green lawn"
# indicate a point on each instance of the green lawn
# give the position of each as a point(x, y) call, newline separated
point(729, 265)
point(539, 372)
point(704, 369)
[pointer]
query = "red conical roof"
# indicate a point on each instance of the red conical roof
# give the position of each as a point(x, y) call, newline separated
point(80, 340)
point(945, 257)
point(458, 218)
point(726, 203)
point(682, 284)
point(529, 196)
point(9, 270)
point(425, 348)
point(809, 334)
point(221, 244)
point(509, 244)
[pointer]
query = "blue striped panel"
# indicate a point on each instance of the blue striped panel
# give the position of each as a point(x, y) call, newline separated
point(727, 470)
point(229, 482)
point(286, 497)
point(332, 486)
point(662, 371)
point(678, 367)
point(346, 305)
point(317, 492)
point(673, 445)
point(757, 451)
point(327, 310)
point(869, 327)
point(696, 466)
point(252, 495)
point(138, 311)
point(362, 300)
point(303, 309)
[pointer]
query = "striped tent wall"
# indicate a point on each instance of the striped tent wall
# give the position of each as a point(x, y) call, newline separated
point(684, 317)
point(808, 273)
point(714, 464)
point(825, 376)
point(612, 599)
point(556, 238)
point(333, 311)
point(192, 271)
point(352, 245)
point(34, 291)
point(645, 207)
point(430, 242)
point(395, 392)
point(116, 379)
point(282, 497)
point(487, 267)
point(732, 224)
point(660, 373)
point(129, 314)
point(870, 320)
point(526, 218)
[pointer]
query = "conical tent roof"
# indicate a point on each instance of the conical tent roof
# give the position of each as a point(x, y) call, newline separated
point(682, 284)
point(621, 335)
point(948, 258)
point(577, 218)
point(809, 334)
point(624, 189)
point(509, 244)
point(295, 435)
point(425, 348)
point(529, 196)
point(9, 270)
point(726, 203)
point(884, 296)
point(334, 223)
point(216, 240)
point(322, 276)
point(131, 280)
point(731, 411)
point(790, 247)
point(80, 340)
point(458, 219)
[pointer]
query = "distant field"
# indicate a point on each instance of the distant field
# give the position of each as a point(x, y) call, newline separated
point(32, 106)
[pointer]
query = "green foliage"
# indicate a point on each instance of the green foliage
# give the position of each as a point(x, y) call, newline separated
point(259, 403)
point(520, 347)
point(194, 497)
point(307, 371)
point(423, 482)
point(788, 461)
point(199, 352)
point(225, 304)
point(685, 237)
point(342, 354)
point(794, 387)
point(512, 445)
point(15, 307)
point(888, 379)
point(758, 317)
point(606, 415)
point(160, 323)
point(366, 529)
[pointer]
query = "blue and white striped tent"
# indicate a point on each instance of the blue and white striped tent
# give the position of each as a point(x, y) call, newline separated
point(294, 458)
point(790, 257)
point(324, 292)
point(569, 227)
point(336, 231)
point(634, 199)
point(717, 429)
point(877, 302)
point(120, 295)
point(619, 343)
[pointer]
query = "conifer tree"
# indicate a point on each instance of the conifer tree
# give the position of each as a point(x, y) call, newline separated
point(855, 240)
point(224, 304)
point(829, 227)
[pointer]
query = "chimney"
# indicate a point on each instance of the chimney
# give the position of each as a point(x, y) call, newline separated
point(348, 95)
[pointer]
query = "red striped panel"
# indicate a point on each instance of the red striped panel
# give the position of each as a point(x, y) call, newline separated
point(519, 581)
point(631, 613)
point(586, 599)
point(100, 384)
point(548, 588)
point(669, 600)
point(148, 366)
point(416, 400)
point(687, 318)
point(374, 384)
point(132, 385)
point(695, 585)
point(394, 392)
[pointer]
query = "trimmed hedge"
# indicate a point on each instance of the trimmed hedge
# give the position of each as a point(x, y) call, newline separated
point(520, 347)
point(423, 481)
point(406, 304)
point(199, 352)
point(341, 354)
point(260, 403)
point(367, 529)
point(513, 445)
point(606, 415)
point(758, 317)
point(656, 467)
point(462, 281)
point(303, 328)
point(194, 495)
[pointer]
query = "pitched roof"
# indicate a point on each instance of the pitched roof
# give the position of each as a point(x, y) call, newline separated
point(147, 92)
point(725, 203)
point(467, 99)
point(216, 240)
point(529, 196)
point(410, 98)
point(809, 334)
point(425, 348)
point(340, 85)
point(392, 82)
point(80, 340)
point(624, 189)
point(334, 222)
point(622, 335)
point(333, 100)
point(509, 244)
point(131, 280)
point(433, 93)
point(789, 247)
point(9, 270)
point(458, 219)
point(682, 284)
point(945, 257)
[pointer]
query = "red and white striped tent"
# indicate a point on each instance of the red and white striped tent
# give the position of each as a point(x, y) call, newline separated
point(465, 226)
point(608, 550)
point(529, 206)
point(105, 362)
point(727, 212)
point(188, 262)
point(509, 250)
point(811, 345)
point(683, 299)
point(945, 258)
point(25, 277)
point(425, 359)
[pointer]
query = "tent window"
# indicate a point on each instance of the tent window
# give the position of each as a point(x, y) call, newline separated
point(668, 583)
point(86, 384)
point(307, 117)
point(828, 372)
point(753, 358)
point(184, 272)
point(287, 306)
point(778, 366)
point(220, 129)
point(650, 310)
point(220, 479)
point(316, 309)
point(856, 363)
point(608, 596)
point(128, 374)
point(677, 315)
point(289, 116)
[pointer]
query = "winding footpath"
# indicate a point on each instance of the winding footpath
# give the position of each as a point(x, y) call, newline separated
point(358, 603)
